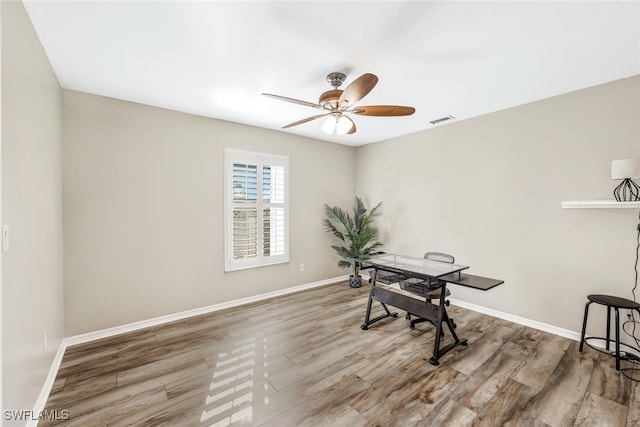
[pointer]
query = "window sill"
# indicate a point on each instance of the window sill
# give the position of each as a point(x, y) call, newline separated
point(229, 269)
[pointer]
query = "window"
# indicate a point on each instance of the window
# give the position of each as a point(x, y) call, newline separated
point(256, 209)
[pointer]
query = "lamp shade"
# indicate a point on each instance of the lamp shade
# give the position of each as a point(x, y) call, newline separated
point(343, 125)
point(329, 125)
point(625, 168)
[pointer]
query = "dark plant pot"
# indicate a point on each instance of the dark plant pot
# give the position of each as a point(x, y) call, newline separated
point(355, 282)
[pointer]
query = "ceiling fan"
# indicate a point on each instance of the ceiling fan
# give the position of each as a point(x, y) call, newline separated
point(336, 104)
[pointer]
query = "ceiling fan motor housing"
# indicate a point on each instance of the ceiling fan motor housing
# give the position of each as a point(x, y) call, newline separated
point(336, 79)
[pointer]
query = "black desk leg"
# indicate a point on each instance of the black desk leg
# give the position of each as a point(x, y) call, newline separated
point(452, 329)
point(444, 317)
point(436, 344)
point(367, 318)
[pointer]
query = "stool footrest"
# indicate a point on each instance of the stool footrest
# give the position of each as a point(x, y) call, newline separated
point(623, 355)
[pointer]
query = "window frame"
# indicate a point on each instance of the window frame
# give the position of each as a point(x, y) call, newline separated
point(260, 159)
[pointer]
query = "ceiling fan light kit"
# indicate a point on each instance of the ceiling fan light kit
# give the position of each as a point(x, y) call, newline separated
point(337, 104)
point(339, 125)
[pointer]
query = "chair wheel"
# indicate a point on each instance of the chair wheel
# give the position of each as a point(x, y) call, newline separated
point(407, 316)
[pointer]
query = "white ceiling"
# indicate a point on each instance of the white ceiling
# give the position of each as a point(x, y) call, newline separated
point(443, 57)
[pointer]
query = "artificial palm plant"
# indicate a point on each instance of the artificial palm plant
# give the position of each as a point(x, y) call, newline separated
point(358, 234)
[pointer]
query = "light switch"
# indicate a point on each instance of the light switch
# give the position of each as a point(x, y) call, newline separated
point(5, 238)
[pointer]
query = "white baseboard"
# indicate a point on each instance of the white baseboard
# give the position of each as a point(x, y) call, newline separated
point(517, 319)
point(109, 332)
point(48, 384)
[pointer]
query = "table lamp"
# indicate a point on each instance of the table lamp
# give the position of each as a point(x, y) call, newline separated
point(626, 169)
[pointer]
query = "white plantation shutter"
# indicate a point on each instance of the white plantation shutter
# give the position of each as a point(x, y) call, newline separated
point(256, 209)
point(273, 210)
point(245, 210)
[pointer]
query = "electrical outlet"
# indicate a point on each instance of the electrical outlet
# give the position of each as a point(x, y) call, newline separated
point(301, 267)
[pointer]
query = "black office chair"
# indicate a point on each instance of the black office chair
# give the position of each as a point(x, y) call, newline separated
point(434, 294)
point(439, 256)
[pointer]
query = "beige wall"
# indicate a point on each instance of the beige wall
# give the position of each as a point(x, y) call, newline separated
point(488, 190)
point(31, 204)
point(143, 206)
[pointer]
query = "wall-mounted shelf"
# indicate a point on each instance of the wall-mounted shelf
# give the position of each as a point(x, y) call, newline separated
point(599, 204)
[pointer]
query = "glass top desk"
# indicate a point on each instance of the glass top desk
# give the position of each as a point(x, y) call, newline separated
point(420, 277)
point(418, 267)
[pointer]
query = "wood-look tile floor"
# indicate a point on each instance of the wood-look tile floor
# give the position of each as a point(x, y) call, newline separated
point(302, 359)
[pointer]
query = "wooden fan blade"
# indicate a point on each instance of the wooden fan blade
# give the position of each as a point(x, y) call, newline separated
point(308, 119)
point(353, 126)
point(295, 101)
point(384, 110)
point(358, 89)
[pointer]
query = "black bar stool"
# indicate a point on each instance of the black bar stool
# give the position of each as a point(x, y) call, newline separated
point(610, 302)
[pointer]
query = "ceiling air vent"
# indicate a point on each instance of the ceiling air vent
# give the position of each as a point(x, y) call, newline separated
point(441, 119)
